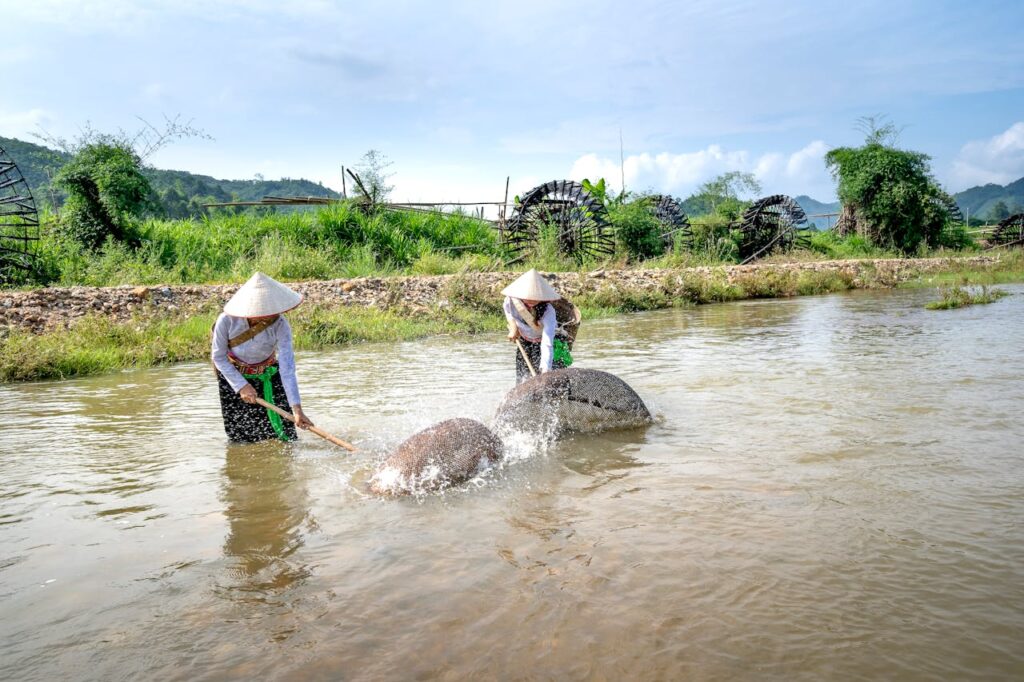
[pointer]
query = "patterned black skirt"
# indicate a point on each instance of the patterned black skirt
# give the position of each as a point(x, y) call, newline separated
point(245, 423)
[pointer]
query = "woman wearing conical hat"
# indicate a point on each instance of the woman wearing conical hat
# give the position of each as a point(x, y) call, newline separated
point(530, 313)
point(252, 351)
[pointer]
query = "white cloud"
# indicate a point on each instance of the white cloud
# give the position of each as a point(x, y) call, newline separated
point(999, 159)
point(801, 172)
point(21, 124)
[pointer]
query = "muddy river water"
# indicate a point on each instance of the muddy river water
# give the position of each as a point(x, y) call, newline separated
point(833, 490)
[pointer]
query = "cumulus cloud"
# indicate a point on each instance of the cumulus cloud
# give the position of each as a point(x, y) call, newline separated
point(800, 172)
point(999, 159)
point(23, 123)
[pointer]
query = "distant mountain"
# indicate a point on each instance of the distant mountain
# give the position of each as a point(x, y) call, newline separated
point(813, 207)
point(981, 201)
point(36, 163)
point(179, 193)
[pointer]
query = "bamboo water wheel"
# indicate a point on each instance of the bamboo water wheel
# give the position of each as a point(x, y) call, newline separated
point(770, 225)
point(1009, 232)
point(675, 224)
point(19, 222)
point(579, 220)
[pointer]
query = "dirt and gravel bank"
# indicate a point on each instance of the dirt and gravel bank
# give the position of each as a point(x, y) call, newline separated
point(52, 309)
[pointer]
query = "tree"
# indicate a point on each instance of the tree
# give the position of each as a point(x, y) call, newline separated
point(104, 179)
point(889, 190)
point(372, 187)
point(1000, 211)
point(105, 188)
point(722, 194)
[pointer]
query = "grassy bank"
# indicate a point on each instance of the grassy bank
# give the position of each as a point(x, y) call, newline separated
point(340, 241)
point(337, 241)
point(98, 344)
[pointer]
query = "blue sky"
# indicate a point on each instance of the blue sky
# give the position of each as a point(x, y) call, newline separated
point(460, 95)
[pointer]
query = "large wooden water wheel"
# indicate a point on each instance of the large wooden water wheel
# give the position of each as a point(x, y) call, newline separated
point(579, 220)
point(19, 222)
point(675, 224)
point(1009, 232)
point(770, 225)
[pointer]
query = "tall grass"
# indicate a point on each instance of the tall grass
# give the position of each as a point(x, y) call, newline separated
point(341, 241)
point(336, 241)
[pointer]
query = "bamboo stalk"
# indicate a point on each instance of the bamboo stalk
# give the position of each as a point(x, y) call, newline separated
point(318, 431)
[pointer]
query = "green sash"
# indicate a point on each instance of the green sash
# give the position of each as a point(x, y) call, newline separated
point(268, 395)
point(561, 353)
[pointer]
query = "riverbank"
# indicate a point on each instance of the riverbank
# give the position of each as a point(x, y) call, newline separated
point(65, 332)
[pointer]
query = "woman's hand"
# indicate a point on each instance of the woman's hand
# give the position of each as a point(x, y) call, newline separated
point(301, 420)
point(513, 334)
point(248, 394)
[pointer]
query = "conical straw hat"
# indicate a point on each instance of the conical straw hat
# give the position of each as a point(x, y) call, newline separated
point(262, 296)
point(531, 287)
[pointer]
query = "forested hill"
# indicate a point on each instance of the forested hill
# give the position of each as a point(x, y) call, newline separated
point(179, 193)
point(813, 207)
point(992, 202)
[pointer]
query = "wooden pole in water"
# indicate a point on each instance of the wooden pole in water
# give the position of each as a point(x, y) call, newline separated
point(318, 431)
point(526, 357)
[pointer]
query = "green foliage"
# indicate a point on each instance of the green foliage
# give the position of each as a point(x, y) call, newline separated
point(106, 191)
point(713, 235)
point(548, 254)
point(176, 194)
point(980, 202)
point(956, 296)
point(852, 246)
point(722, 194)
point(334, 241)
point(467, 305)
point(38, 165)
point(999, 211)
point(637, 230)
point(599, 190)
point(373, 176)
point(891, 190)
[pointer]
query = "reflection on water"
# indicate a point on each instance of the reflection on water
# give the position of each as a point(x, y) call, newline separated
point(266, 507)
point(832, 489)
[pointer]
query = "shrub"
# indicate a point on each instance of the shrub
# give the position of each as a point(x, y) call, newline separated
point(637, 230)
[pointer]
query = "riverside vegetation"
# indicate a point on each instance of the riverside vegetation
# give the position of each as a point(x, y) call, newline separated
point(956, 296)
point(105, 236)
point(98, 343)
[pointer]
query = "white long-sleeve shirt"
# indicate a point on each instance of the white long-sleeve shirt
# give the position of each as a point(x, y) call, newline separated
point(277, 336)
point(547, 338)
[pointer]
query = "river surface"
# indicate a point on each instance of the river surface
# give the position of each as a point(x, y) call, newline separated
point(833, 490)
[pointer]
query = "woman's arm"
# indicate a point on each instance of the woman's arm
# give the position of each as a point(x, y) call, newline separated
point(219, 354)
point(547, 339)
point(286, 361)
point(513, 327)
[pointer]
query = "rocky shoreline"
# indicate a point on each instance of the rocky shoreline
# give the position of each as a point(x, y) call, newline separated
point(55, 308)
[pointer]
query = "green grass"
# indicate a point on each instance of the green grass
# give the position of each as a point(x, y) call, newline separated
point(97, 344)
point(957, 297)
point(337, 241)
point(1009, 269)
point(340, 241)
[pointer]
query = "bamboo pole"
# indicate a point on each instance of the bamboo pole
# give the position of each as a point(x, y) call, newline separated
point(318, 431)
point(526, 357)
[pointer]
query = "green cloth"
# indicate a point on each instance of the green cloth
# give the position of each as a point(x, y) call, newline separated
point(268, 395)
point(561, 353)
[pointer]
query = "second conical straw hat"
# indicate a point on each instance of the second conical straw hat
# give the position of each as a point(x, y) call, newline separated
point(531, 287)
point(262, 296)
